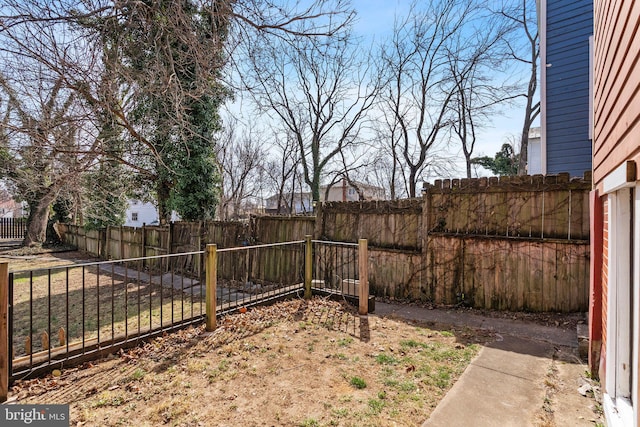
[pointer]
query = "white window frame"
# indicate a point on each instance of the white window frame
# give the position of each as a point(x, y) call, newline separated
point(621, 382)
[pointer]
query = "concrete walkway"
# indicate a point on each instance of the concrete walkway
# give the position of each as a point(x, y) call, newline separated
point(505, 384)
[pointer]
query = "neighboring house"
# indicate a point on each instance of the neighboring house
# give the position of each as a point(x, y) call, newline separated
point(615, 210)
point(139, 213)
point(565, 27)
point(9, 208)
point(534, 162)
point(344, 192)
point(144, 213)
point(302, 203)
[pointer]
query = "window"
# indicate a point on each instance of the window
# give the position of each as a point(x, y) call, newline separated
point(134, 216)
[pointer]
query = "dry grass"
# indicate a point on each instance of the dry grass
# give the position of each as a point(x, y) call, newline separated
point(293, 363)
point(88, 305)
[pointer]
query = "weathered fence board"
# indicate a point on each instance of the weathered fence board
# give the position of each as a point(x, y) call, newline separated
point(514, 243)
point(277, 229)
point(388, 224)
point(506, 274)
point(533, 206)
point(396, 274)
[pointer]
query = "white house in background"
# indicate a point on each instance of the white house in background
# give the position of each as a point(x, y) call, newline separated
point(139, 213)
point(534, 155)
point(144, 213)
point(344, 192)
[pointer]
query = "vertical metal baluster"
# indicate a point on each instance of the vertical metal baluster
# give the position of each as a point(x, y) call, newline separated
point(31, 318)
point(139, 295)
point(202, 288)
point(126, 301)
point(68, 332)
point(10, 325)
point(161, 291)
point(149, 285)
point(49, 311)
point(113, 304)
point(98, 302)
point(83, 309)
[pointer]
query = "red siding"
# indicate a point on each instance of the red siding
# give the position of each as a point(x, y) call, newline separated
point(595, 281)
point(616, 85)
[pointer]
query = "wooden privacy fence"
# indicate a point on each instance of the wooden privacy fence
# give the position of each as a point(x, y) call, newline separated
point(131, 242)
point(537, 206)
point(509, 243)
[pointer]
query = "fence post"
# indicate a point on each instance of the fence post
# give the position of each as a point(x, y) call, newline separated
point(210, 293)
point(4, 331)
point(308, 266)
point(363, 277)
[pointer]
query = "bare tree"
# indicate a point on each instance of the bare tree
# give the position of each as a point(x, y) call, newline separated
point(155, 67)
point(420, 90)
point(521, 15)
point(476, 61)
point(241, 160)
point(386, 169)
point(282, 173)
point(44, 150)
point(319, 89)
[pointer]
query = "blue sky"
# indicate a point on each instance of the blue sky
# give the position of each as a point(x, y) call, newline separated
point(374, 23)
point(375, 20)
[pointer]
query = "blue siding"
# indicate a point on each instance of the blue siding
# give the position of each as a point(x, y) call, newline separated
point(569, 25)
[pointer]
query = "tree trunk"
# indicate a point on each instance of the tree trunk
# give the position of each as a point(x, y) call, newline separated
point(36, 233)
point(163, 194)
point(412, 182)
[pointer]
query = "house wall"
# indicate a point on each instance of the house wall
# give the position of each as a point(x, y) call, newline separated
point(616, 85)
point(146, 213)
point(616, 133)
point(565, 68)
point(601, 366)
point(302, 203)
point(341, 192)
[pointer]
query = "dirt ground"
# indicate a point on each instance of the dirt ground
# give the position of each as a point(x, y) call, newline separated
point(294, 363)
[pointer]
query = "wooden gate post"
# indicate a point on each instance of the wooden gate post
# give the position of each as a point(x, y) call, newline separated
point(211, 267)
point(308, 266)
point(363, 277)
point(4, 331)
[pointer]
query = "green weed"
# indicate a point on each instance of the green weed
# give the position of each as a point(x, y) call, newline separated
point(358, 382)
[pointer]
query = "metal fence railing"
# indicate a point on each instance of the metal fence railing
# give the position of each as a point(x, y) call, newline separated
point(59, 316)
point(64, 313)
point(13, 228)
point(335, 267)
point(252, 274)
